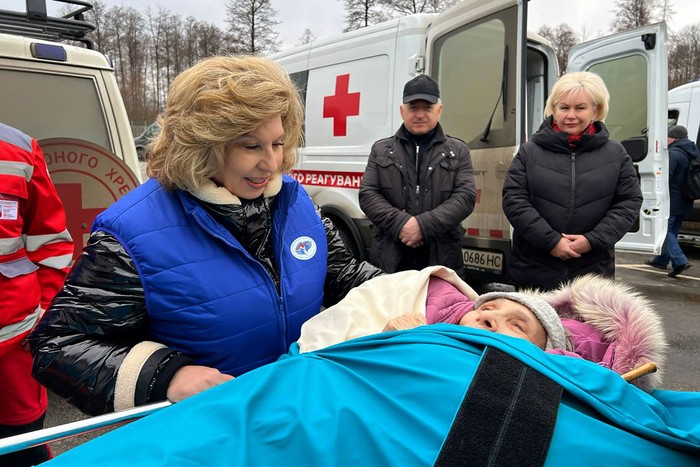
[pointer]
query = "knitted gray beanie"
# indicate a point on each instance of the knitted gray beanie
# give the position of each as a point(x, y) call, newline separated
point(556, 335)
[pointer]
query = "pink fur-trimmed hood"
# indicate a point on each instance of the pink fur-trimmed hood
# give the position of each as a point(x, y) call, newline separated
point(622, 315)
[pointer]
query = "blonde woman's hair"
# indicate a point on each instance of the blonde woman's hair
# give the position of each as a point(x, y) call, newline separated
point(585, 81)
point(213, 104)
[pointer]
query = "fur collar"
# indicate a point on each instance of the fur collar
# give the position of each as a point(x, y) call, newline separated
point(211, 193)
point(622, 315)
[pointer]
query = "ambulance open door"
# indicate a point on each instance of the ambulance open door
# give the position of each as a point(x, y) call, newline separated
point(633, 65)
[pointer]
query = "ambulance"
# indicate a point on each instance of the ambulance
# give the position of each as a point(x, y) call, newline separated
point(66, 97)
point(684, 109)
point(494, 79)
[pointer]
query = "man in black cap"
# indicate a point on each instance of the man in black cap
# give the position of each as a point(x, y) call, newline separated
point(418, 187)
point(680, 151)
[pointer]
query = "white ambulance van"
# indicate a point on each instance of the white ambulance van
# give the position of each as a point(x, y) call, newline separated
point(66, 97)
point(494, 79)
point(684, 109)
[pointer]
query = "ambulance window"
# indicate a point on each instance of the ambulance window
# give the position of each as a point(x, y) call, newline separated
point(626, 80)
point(475, 68)
point(301, 81)
point(63, 106)
point(535, 89)
point(672, 117)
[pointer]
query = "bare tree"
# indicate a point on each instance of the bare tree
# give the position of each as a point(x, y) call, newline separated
point(123, 35)
point(200, 40)
point(306, 38)
point(562, 39)
point(251, 25)
point(190, 41)
point(211, 40)
point(684, 56)
point(409, 7)
point(666, 11)
point(156, 26)
point(363, 13)
point(631, 14)
point(96, 17)
point(148, 51)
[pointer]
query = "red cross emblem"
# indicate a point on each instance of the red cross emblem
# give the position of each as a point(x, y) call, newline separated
point(341, 105)
point(88, 178)
point(78, 219)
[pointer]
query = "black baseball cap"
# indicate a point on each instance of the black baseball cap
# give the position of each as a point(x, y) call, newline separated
point(422, 87)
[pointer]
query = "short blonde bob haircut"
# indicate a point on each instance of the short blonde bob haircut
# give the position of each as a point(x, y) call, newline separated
point(213, 104)
point(585, 81)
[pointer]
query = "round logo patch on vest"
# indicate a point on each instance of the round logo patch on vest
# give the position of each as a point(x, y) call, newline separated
point(303, 248)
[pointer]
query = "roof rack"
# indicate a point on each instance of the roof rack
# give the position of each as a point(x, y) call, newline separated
point(37, 24)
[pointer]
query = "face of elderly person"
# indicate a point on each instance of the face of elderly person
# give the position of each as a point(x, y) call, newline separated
point(507, 317)
point(252, 160)
point(574, 112)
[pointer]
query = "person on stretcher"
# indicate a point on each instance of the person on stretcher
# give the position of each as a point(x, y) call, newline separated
point(514, 314)
point(591, 317)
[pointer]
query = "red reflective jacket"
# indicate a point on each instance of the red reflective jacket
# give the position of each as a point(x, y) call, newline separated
point(35, 246)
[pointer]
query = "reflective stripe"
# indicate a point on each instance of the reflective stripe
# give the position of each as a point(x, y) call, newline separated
point(34, 242)
point(15, 137)
point(17, 168)
point(11, 245)
point(18, 267)
point(15, 329)
point(57, 262)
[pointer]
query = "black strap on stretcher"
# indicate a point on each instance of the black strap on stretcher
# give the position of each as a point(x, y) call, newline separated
point(507, 417)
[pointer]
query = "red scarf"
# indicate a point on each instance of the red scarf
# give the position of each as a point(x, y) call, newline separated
point(574, 139)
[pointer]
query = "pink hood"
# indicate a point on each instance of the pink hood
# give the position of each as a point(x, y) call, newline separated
point(613, 325)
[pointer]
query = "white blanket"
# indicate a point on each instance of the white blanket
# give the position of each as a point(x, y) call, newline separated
point(367, 308)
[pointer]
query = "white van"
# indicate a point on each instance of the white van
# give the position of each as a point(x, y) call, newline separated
point(494, 79)
point(66, 97)
point(684, 109)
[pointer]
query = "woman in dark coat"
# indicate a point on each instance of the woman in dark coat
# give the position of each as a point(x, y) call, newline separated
point(571, 193)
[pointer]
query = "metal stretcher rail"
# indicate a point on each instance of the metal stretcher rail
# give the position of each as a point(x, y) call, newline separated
point(57, 433)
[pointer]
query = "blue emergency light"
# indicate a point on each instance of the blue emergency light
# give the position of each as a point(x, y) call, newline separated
point(49, 51)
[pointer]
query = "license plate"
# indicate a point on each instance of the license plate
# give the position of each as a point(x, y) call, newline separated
point(485, 261)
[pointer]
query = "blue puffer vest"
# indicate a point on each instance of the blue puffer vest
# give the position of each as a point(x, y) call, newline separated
point(205, 294)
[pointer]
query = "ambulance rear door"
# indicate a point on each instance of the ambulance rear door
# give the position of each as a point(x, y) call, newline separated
point(633, 65)
point(475, 51)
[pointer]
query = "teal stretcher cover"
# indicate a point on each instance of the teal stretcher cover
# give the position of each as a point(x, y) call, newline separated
point(389, 400)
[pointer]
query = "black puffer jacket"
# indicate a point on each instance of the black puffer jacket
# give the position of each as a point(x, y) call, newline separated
point(78, 355)
point(447, 196)
point(552, 189)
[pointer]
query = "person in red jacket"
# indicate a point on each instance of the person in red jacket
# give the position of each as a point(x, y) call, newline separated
point(35, 253)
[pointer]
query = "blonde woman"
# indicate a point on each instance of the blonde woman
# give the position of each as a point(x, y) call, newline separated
point(571, 193)
point(207, 270)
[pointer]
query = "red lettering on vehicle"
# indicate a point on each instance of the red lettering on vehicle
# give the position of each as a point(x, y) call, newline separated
point(329, 179)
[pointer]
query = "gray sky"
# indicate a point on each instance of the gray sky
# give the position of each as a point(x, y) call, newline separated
point(324, 18)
